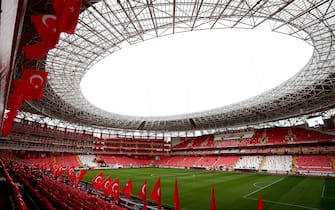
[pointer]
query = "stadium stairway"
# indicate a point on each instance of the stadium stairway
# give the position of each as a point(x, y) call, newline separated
point(332, 160)
point(79, 161)
point(114, 158)
point(168, 161)
point(294, 163)
point(199, 160)
point(261, 164)
point(217, 159)
point(54, 159)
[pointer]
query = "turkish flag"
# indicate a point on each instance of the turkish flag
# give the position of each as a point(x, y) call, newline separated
point(70, 174)
point(142, 193)
point(127, 189)
point(58, 171)
point(67, 12)
point(176, 199)
point(46, 28)
point(106, 186)
point(13, 105)
point(260, 203)
point(213, 203)
point(33, 84)
point(36, 51)
point(98, 180)
point(79, 177)
point(15, 98)
point(116, 189)
point(156, 194)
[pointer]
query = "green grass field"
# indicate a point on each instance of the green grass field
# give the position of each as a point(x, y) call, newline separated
point(233, 191)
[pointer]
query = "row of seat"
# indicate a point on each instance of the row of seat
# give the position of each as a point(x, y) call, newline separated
point(52, 193)
point(18, 200)
point(270, 136)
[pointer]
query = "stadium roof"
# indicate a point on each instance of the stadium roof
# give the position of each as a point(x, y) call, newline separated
point(193, 72)
point(104, 26)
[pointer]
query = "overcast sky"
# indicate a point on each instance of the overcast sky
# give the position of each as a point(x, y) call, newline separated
point(193, 71)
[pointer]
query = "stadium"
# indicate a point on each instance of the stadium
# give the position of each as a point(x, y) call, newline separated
point(59, 150)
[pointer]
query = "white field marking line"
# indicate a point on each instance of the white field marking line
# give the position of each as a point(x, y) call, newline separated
point(323, 191)
point(262, 188)
point(285, 204)
point(256, 184)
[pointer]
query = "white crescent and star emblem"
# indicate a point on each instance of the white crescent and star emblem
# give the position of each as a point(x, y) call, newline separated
point(114, 185)
point(33, 78)
point(45, 19)
point(143, 188)
point(98, 179)
point(159, 191)
point(71, 9)
point(106, 184)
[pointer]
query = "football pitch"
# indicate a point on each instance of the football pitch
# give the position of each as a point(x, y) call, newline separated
point(233, 191)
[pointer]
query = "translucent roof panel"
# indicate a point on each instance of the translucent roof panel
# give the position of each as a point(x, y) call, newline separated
point(193, 71)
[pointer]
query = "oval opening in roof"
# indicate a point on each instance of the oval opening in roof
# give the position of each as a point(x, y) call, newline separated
point(193, 72)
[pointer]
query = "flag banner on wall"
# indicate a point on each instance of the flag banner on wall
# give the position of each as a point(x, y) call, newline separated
point(67, 12)
point(45, 25)
point(34, 82)
point(34, 52)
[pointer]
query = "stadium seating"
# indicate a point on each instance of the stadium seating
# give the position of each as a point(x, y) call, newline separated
point(88, 160)
point(277, 163)
point(13, 192)
point(226, 162)
point(249, 162)
point(314, 164)
point(68, 160)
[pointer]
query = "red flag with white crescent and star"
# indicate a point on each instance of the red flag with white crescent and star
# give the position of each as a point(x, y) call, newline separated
point(156, 194)
point(106, 186)
point(79, 177)
point(67, 12)
point(33, 84)
point(70, 174)
point(115, 189)
point(98, 180)
point(142, 193)
point(127, 189)
point(36, 51)
point(46, 28)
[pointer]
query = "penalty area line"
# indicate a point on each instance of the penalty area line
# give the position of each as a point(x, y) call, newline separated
point(275, 202)
point(262, 188)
